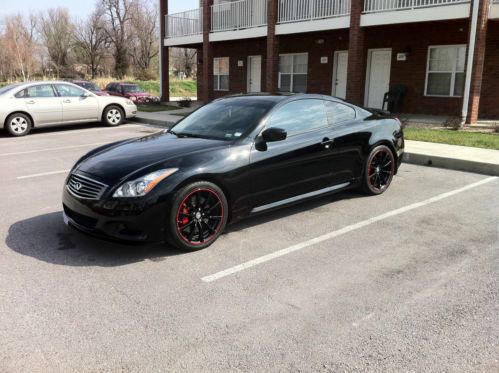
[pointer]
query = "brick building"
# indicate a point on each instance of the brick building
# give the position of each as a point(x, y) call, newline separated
point(444, 53)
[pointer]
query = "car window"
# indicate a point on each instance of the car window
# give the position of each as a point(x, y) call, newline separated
point(132, 88)
point(110, 87)
point(299, 116)
point(338, 113)
point(65, 90)
point(37, 91)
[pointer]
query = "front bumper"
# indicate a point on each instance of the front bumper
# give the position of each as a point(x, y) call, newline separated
point(130, 111)
point(141, 220)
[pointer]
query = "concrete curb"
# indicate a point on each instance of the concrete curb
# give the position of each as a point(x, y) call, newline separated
point(154, 122)
point(452, 163)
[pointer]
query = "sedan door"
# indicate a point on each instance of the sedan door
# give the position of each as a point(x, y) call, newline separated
point(297, 166)
point(77, 104)
point(42, 104)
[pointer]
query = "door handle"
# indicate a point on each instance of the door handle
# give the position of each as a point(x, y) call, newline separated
point(327, 142)
point(30, 102)
point(67, 101)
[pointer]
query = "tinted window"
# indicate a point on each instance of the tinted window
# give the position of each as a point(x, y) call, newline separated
point(111, 87)
point(69, 91)
point(88, 85)
point(338, 113)
point(225, 120)
point(37, 91)
point(299, 116)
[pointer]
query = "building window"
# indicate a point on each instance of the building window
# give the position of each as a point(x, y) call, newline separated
point(221, 74)
point(293, 70)
point(445, 71)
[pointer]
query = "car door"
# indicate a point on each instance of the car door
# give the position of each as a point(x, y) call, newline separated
point(42, 104)
point(298, 165)
point(348, 138)
point(77, 104)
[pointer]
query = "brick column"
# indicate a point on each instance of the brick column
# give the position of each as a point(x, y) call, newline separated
point(164, 53)
point(356, 56)
point(478, 60)
point(272, 68)
point(207, 81)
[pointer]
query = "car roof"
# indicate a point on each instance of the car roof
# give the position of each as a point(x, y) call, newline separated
point(277, 98)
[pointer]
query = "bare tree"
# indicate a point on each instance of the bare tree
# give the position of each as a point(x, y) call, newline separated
point(19, 46)
point(184, 60)
point(91, 36)
point(118, 14)
point(144, 41)
point(56, 30)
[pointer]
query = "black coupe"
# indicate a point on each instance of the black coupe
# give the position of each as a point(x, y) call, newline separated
point(234, 157)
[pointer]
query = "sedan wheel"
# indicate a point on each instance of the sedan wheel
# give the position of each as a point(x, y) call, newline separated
point(18, 125)
point(113, 116)
point(380, 169)
point(199, 216)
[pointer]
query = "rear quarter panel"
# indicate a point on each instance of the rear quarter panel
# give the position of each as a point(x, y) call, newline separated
point(9, 106)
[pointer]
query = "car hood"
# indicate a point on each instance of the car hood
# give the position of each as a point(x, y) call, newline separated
point(119, 161)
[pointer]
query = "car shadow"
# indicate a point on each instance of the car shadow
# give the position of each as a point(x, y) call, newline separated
point(47, 238)
point(58, 128)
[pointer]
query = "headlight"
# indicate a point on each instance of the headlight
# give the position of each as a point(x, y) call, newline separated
point(133, 98)
point(129, 102)
point(140, 187)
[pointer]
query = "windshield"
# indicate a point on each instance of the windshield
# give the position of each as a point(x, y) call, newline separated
point(90, 86)
point(132, 89)
point(8, 88)
point(224, 120)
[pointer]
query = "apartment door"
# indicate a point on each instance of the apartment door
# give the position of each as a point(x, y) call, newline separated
point(378, 76)
point(254, 74)
point(340, 69)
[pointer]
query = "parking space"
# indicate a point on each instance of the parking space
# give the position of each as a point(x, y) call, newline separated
point(403, 281)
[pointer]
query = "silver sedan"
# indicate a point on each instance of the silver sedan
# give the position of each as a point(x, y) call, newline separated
point(28, 105)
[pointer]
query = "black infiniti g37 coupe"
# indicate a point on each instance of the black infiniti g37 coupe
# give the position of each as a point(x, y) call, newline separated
point(232, 158)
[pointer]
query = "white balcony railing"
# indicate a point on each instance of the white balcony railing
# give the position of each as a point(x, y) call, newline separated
point(238, 15)
point(305, 10)
point(184, 24)
point(373, 6)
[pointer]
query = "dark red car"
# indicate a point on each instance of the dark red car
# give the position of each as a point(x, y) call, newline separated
point(89, 86)
point(131, 91)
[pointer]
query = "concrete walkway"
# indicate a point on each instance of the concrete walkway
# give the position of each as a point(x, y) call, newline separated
point(462, 158)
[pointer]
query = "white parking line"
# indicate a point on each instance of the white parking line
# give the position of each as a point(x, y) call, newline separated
point(347, 229)
point(42, 174)
point(53, 149)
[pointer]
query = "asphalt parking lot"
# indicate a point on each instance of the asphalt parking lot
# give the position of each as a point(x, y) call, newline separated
point(407, 281)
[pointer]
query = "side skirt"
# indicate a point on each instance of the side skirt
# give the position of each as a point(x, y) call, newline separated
point(298, 198)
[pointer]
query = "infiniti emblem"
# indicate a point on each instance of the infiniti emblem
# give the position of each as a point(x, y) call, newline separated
point(77, 186)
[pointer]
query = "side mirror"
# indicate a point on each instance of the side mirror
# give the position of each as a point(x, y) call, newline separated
point(85, 95)
point(274, 134)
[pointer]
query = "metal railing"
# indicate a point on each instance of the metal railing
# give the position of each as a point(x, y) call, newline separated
point(372, 6)
point(184, 24)
point(305, 10)
point(238, 15)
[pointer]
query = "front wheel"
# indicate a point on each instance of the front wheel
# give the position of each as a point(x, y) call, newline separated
point(379, 170)
point(198, 216)
point(113, 116)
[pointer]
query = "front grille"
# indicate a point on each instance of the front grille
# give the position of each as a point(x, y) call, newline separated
point(84, 187)
point(83, 220)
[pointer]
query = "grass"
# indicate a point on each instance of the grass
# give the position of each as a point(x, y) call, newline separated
point(463, 138)
point(155, 108)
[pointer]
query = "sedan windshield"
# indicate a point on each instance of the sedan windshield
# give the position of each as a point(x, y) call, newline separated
point(132, 88)
point(90, 86)
point(223, 120)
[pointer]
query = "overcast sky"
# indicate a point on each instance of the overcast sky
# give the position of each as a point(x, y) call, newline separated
point(78, 8)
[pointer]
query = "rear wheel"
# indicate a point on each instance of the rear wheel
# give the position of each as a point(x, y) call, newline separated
point(113, 116)
point(198, 216)
point(18, 124)
point(379, 170)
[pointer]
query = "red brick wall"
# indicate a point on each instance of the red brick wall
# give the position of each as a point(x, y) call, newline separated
point(239, 50)
point(489, 101)
point(416, 38)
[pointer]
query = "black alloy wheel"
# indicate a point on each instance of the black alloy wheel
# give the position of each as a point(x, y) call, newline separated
point(379, 170)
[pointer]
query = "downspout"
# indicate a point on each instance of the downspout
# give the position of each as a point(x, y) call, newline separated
point(469, 62)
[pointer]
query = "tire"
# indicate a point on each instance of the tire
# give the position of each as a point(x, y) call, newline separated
point(18, 125)
point(113, 116)
point(190, 228)
point(378, 171)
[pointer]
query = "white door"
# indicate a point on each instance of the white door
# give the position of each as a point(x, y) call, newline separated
point(340, 70)
point(378, 76)
point(254, 74)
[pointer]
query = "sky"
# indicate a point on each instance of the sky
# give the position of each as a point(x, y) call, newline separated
point(78, 8)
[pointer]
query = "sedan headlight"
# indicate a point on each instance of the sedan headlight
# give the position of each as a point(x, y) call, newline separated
point(141, 186)
point(129, 102)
